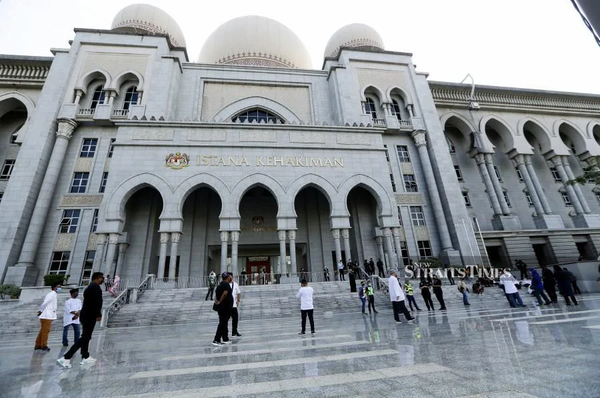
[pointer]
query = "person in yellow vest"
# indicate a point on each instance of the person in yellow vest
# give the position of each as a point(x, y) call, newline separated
point(371, 297)
point(410, 295)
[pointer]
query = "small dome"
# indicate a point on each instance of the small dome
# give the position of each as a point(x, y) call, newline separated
point(354, 35)
point(255, 41)
point(144, 18)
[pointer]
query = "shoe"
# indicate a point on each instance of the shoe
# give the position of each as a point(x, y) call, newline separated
point(236, 335)
point(45, 349)
point(443, 309)
point(65, 363)
point(87, 361)
point(227, 342)
point(65, 345)
point(418, 309)
point(377, 312)
point(398, 322)
point(467, 304)
point(364, 313)
point(411, 321)
point(313, 334)
point(217, 343)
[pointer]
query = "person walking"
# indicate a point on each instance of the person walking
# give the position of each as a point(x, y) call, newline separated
point(439, 293)
point(46, 314)
point(305, 295)
point(91, 312)
point(363, 297)
point(371, 297)
point(107, 283)
point(380, 268)
point(397, 298)
point(538, 287)
point(573, 280)
point(372, 267)
point(522, 267)
point(564, 285)
point(341, 270)
point(237, 297)
point(510, 289)
point(326, 274)
point(462, 287)
point(224, 304)
point(410, 295)
point(352, 275)
point(549, 283)
point(450, 276)
point(425, 287)
point(212, 281)
point(71, 317)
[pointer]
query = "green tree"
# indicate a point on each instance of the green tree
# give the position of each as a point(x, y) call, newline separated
point(591, 173)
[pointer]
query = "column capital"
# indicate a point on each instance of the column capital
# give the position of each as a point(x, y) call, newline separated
point(292, 235)
point(123, 247)
point(282, 234)
point(556, 160)
point(224, 236)
point(113, 238)
point(164, 237)
point(175, 236)
point(387, 232)
point(489, 159)
point(519, 159)
point(480, 158)
point(235, 236)
point(420, 137)
point(102, 238)
point(396, 232)
point(345, 233)
point(379, 240)
point(66, 127)
point(335, 233)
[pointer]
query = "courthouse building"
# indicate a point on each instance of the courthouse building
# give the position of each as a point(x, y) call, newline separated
point(124, 153)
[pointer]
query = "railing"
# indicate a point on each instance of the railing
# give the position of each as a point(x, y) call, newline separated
point(85, 112)
point(382, 284)
point(26, 70)
point(379, 122)
point(126, 296)
point(120, 112)
point(405, 124)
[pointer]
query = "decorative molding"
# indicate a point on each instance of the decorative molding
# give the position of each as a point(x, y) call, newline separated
point(64, 242)
point(83, 164)
point(26, 71)
point(258, 136)
point(211, 136)
point(307, 138)
point(421, 232)
point(354, 139)
point(407, 168)
point(257, 59)
point(149, 28)
point(410, 199)
point(92, 242)
point(75, 200)
point(154, 135)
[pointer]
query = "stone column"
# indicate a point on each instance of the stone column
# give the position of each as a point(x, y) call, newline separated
point(224, 240)
point(489, 162)
point(99, 256)
point(44, 199)
point(389, 248)
point(292, 238)
point(434, 195)
point(235, 237)
point(175, 236)
point(162, 256)
point(576, 187)
point(480, 159)
point(537, 185)
point(121, 258)
point(111, 97)
point(379, 241)
point(557, 161)
point(78, 95)
point(113, 238)
point(282, 265)
point(396, 235)
point(338, 249)
point(537, 204)
point(346, 239)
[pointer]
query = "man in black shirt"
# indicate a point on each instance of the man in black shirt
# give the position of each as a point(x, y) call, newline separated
point(439, 293)
point(90, 314)
point(224, 303)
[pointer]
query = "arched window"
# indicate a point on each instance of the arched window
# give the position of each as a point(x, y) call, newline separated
point(370, 108)
point(396, 109)
point(451, 146)
point(256, 115)
point(131, 97)
point(98, 97)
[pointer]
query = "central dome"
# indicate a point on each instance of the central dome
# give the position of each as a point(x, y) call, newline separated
point(255, 41)
point(147, 19)
point(356, 35)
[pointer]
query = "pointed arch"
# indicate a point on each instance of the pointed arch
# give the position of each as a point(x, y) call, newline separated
point(501, 127)
point(402, 93)
point(229, 111)
point(189, 185)
point(129, 75)
point(384, 202)
point(96, 74)
point(251, 181)
point(375, 90)
point(540, 132)
point(463, 122)
point(574, 133)
point(321, 184)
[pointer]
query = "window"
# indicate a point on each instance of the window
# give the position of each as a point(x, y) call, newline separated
point(88, 148)
point(467, 199)
point(393, 182)
point(555, 174)
point(69, 221)
point(387, 154)
point(256, 115)
point(529, 200)
point(7, 169)
point(566, 199)
point(103, 183)
point(458, 172)
point(451, 146)
point(396, 110)
point(131, 97)
point(424, 248)
point(370, 108)
point(98, 97)
point(410, 184)
point(417, 216)
point(519, 175)
point(80, 181)
point(88, 264)
point(507, 199)
point(403, 154)
point(95, 221)
point(59, 263)
point(404, 253)
point(111, 147)
point(497, 173)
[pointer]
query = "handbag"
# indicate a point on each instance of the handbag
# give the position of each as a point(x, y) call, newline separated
point(215, 306)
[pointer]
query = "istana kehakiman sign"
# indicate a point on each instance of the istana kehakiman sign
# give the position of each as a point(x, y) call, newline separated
point(180, 160)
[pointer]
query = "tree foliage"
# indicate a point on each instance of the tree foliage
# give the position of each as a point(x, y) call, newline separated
point(591, 174)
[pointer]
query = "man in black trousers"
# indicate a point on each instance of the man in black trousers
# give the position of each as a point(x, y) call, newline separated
point(437, 290)
point(224, 303)
point(91, 313)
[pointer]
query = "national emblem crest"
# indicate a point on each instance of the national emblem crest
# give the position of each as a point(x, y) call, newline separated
point(177, 160)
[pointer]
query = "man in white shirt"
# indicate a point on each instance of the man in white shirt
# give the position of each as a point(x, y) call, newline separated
point(71, 317)
point(341, 270)
point(305, 294)
point(397, 298)
point(237, 297)
point(47, 314)
point(510, 289)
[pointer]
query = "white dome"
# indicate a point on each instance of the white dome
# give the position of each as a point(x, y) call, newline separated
point(256, 41)
point(353, 35)
point(148, 19)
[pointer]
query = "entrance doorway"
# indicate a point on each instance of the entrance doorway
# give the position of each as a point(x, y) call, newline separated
point(254, 270)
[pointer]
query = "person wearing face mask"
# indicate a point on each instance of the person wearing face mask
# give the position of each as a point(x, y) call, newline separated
point(71, 317)
point(47, 314)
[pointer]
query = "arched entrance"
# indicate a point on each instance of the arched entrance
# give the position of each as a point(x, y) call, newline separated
point(362, 207)
point(13, 115)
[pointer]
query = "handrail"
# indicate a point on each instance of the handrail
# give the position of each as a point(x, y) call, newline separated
point(125, 297)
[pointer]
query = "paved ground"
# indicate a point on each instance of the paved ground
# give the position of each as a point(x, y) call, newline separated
point(549, 352)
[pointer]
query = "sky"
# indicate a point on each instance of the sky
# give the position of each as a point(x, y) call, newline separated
point(538, 44)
